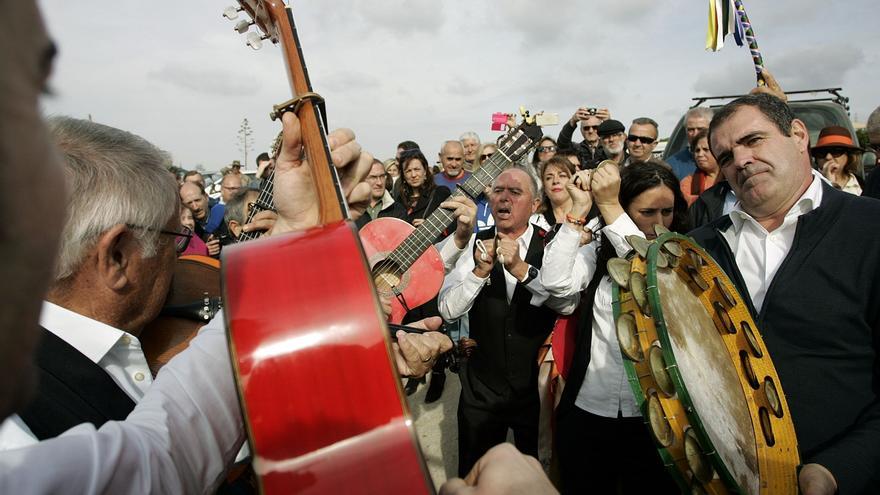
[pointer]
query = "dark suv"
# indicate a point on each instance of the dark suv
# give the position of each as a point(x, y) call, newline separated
point(818, 108)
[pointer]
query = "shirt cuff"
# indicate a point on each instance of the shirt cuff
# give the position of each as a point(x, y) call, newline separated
point(619, 230)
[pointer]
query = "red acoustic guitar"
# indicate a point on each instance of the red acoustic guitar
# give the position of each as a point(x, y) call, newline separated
point(319, 389)
point(405, 264)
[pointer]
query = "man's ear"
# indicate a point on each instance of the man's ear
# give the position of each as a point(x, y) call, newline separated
point(801, 134)
point(536, 203)
point(234, 227)
point(113, 255)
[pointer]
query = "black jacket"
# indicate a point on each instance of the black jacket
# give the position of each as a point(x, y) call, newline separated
point(709, 206)
point(585, 154)
point(821, 323)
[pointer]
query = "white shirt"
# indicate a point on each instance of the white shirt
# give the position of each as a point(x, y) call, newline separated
point(461, 286)
point(759, 253)
point(117, 352)
point(569, 269)
point(449, 252)
point(178, 439)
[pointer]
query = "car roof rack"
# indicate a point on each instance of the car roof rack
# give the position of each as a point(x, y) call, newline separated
point(834, 96)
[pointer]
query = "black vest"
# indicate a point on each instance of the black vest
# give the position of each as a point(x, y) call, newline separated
point(503, 368)
point(72, 390)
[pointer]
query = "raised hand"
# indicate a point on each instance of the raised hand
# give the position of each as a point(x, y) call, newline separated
point(605, 183)
point(771, 87)
point(484, 257)
point(464, 210)
point(579, 190)
point(295, 197)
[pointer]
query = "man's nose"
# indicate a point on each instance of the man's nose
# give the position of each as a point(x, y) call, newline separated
point(742, 157)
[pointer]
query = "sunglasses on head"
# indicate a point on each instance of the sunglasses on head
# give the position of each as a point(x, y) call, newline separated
point(823, 152)
point(542, 149)
point(644, 139)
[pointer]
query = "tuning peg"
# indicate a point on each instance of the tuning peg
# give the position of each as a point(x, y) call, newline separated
point(231, 12)
point(243, 25)
point(255, 41)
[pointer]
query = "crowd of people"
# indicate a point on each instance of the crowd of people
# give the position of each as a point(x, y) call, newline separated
point(785, 219)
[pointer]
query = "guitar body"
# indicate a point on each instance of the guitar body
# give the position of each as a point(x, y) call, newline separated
point(317, 381)
point(195, 277)
point(419, 284)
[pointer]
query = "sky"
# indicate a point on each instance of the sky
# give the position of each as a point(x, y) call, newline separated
point(177, 74)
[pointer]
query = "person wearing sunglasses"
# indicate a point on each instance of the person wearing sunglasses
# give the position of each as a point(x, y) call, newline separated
point(839, 159)
point(641, 140)
point(588, 120)
point(545, 150)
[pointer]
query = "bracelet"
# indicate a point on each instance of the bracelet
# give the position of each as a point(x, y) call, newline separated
point(577, 221)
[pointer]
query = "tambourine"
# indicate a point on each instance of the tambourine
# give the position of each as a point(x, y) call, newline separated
point(700, 371)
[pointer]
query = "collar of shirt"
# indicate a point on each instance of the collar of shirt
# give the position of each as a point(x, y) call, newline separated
point(90, 337)
point(524, 239)
point(809, 201)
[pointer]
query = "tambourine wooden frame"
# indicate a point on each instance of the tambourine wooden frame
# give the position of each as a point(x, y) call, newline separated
point(777, 463)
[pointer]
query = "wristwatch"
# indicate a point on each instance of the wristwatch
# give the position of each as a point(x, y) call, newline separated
point(531, 275)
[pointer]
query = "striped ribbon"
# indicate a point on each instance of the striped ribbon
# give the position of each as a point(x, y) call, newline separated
point(726, 17)
point(750, 39)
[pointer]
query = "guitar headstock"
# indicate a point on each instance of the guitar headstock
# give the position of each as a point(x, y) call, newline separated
point(261, 13)
point(522, 138)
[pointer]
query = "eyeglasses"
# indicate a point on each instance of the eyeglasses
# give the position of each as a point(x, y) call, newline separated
point(590, 128)
point(181, 239)
point(542, 149)
point(644, 139)
point(822, 152)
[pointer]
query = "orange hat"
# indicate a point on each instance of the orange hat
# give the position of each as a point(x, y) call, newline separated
point(835, 137)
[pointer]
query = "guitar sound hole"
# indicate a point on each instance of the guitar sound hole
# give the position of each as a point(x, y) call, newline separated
point(386, 274)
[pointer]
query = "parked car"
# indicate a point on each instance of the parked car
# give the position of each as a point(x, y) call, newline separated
point(817, 108)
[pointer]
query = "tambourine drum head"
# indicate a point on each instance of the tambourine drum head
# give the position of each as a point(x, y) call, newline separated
point(710, 378)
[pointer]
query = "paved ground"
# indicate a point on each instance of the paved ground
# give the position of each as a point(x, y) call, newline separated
point(437, 429)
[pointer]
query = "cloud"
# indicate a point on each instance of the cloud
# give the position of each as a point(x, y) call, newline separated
point(207, 81)
point(799, 69)
point(731, 80)
point(343, 81)
point(403, 17)
point(625, 12)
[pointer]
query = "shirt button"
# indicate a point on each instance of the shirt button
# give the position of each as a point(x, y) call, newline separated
point(125, 340)
point(139, 376)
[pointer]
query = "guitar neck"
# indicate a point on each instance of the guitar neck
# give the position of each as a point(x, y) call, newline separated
point(263, 202)
point(425, 234)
